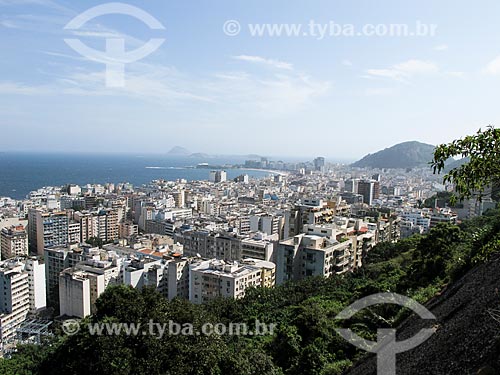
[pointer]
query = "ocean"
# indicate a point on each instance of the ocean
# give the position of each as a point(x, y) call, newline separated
point(21, 173)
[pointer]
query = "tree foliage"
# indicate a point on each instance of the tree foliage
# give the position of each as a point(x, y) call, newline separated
point(482, 169)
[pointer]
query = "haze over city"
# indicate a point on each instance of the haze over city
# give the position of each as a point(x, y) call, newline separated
point(289, 95)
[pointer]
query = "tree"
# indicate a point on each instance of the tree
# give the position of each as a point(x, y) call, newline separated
point(481, 171)
point(442, 198)
point(95, 241)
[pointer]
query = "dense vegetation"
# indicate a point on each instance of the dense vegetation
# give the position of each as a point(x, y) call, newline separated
point(482, 169)
point(304, 342)
point(441, 199)
point(403, 155)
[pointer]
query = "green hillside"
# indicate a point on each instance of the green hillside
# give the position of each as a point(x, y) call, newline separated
point(403, 155)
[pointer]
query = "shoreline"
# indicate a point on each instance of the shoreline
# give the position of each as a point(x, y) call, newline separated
point(281, 173)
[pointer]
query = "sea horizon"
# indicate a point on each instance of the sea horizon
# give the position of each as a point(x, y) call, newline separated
point(23, 172)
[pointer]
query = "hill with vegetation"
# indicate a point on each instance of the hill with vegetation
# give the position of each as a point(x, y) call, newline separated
point(403, 155)
point(305, 340)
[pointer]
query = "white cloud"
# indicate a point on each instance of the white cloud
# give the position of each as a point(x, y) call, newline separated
point(405, 70)
point(237, 76)
point(21, 2)
point(441, 47)
point(8, 24)
point(44, 3)
point(226, 93)
point(14, 88)
point(54, 24)
point(346, 62)
point(456, 74)
point(379, 91)
point(385, 73)
point(412, 67)
point(66, 56)
point(261, 60)
point(493, 67)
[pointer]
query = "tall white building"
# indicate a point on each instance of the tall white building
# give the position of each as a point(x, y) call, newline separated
point(178, 277)
point(57, 260)
point(268, 224)
point(217, 176)
point(81, 285)
point(14, 299)
point(47, 229)
point(37, 284)
point(74, 292)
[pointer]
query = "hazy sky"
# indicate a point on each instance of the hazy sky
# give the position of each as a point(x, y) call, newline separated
point(302, 95)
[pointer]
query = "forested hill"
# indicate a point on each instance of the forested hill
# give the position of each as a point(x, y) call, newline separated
point(305, 341)
point(403, 155)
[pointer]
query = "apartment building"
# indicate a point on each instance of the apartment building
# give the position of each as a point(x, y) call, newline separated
point(81, 285)
point(257, 249)
point(165, 227)
point(212, 279)
point(47, 229)
point(74, 232)
point(408, 229)
point(36, 284)
point(217, 176)
point(136, 273)
point(269, 224)
point(74, 292)
point(417, 218)
point(15, 299)
point(103, 223)
point(370, 190)
point(443, 215)
point(311, 255)
point(128, 230)
point(14, 241)
point(57, 260)
point(212, 245)
point(178, 277)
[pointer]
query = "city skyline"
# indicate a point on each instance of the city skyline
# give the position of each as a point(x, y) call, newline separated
point(197, 155)
point(338, 96)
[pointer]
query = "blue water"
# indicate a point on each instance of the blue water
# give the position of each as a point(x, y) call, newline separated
point(21, 173)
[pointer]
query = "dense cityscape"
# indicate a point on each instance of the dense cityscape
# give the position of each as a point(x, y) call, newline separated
point(249, 187)
point(61, 247)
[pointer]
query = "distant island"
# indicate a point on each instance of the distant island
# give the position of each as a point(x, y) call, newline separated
point(178, 151)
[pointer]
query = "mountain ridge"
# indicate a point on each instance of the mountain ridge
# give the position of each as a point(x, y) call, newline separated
point(408, 154)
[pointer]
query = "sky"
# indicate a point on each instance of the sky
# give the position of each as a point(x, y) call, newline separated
point(216, 85)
